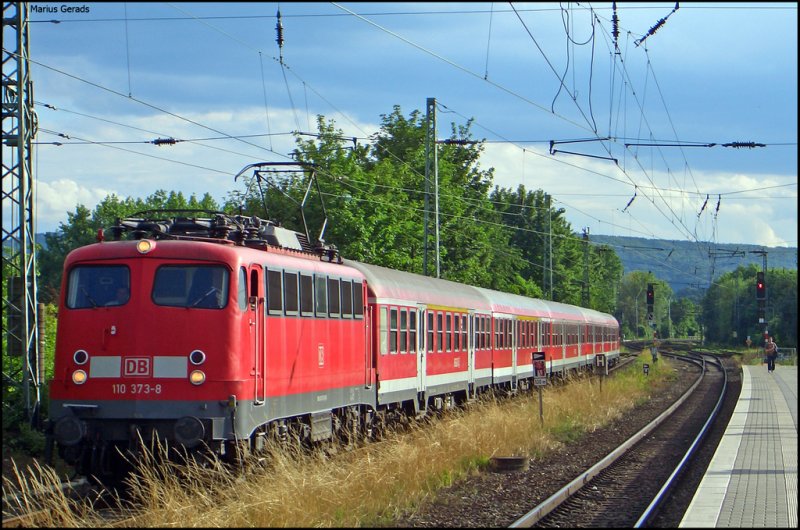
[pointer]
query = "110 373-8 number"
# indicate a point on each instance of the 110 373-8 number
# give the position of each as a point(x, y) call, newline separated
point(135, 388)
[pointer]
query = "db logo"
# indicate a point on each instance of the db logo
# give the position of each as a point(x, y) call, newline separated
point(136, 366)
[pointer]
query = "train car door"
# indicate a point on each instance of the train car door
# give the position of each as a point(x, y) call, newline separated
point(257, 315)
point(471, 350)
point(422, 329)
point(561, 329)
point(514, 323)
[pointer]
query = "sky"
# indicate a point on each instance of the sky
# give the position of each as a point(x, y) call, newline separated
point(626, 133)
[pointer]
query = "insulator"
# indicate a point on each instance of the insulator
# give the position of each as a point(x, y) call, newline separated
point(279, 29)
point(614, 22)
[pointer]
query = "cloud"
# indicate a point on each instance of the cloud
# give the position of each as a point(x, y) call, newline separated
point(594, 194)
point(80, 173)
point(54, 199)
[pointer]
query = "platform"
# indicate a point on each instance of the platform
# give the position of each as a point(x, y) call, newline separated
point(752, 480)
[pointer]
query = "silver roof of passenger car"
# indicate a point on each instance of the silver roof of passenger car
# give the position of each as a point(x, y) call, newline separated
point(535, 307)
point(389, 285)
point(393, 286)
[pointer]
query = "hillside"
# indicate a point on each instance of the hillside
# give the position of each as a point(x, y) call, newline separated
point(689, 267)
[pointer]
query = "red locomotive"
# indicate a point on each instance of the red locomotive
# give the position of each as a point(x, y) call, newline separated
point(220, 331)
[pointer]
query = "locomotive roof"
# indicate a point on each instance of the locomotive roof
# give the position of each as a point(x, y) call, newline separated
point(232, 254)
point(390, 285)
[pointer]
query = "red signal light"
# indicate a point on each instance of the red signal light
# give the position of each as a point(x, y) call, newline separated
point(761, 291)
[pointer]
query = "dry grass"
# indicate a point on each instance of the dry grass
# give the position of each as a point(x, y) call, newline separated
point(372, 485)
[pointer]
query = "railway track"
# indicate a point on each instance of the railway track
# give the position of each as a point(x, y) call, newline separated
point(38, 518)
point(626, 488)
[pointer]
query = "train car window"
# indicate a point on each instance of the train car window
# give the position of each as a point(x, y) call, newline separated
point(393, 330)
point(333, 297)
point(528, 336)
point(403, 330)
point(358, 299)
point(534, 333)
point(431, 345)
point(98, 286)
point(274, 292)
point(448, 338)
point(306, 295)
point(204, 287)
point(464, 345)
point(383, 327)
point(347, 299)
point(439, 331)
point(241, 293)
point(290, 292)
point(412, 330)
point(523, 333)
point(456, 332)
point(321, 299)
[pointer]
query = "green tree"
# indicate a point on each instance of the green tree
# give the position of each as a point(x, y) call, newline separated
point(684, 318)
point(632, 304)
point(730, 307)
point(375, 199)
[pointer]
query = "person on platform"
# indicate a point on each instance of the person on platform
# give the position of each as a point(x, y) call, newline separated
point(771, 353)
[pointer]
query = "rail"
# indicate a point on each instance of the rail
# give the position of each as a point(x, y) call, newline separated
point(668, 485)
point(552, 502)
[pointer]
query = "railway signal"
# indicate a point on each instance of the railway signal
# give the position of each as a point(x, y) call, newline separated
point(761, 288)
point(650, 301)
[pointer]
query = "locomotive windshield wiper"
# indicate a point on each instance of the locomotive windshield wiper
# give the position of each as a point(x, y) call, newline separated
point(203, 297)
point(88, 296)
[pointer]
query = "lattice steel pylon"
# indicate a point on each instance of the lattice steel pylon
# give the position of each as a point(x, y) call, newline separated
point(21, 359)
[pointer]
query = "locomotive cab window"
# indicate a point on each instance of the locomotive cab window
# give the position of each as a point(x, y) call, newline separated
point(321, 300)
point(358, 299)
point(333, 297)
point(191, 286)
point(241, 293)
point(290, 292)
point(274, 292)
point(306, 295)
point(347, 299)
point(98, 286)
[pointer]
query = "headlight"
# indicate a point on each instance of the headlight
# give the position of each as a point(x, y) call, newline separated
point(79, 377)
point(197, 377)
point(145, 245)
point(80, 357)
point(197, 357)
